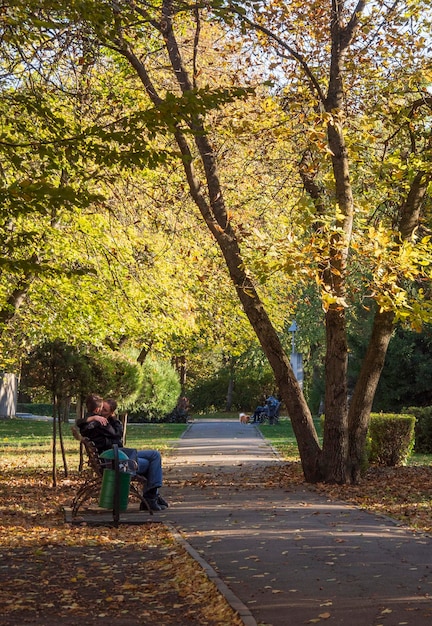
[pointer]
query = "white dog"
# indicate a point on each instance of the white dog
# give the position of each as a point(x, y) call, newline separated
point(243, 418)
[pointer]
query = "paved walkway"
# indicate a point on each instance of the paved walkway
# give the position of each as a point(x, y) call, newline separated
point(290, 557)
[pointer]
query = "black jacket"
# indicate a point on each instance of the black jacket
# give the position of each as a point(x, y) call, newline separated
point(104, 437)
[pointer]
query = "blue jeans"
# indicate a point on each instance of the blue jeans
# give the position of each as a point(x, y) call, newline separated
point(150, 466)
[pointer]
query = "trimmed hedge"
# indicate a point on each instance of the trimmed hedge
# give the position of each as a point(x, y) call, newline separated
point(423, 428)
point(391, 438)
point(35, 409)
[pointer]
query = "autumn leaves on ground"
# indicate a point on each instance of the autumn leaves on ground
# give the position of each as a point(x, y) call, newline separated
point(54, 573)
point(403, 493)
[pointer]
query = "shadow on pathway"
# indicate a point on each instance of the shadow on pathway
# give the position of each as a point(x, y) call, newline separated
point(291, 556)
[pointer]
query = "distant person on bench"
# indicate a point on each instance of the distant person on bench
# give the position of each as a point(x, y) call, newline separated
point(269, 410)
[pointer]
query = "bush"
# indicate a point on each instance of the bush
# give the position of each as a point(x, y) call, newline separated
point(35, 409)
point(391, 438)
point(249, 391)
point(159, 392)
point(423, 428)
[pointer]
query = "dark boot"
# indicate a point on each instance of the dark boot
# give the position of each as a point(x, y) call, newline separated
point(152, 503)
point(162, 502)
point(151, 497)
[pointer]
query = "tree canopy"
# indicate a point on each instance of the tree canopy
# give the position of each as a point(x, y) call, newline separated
point(302, 134)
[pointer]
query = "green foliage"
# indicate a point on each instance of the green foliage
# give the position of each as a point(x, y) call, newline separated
point(423, 428)
point(210, 394)
point(406, 376)
point(391, 438)
point(251, 385)
point(35, 408)
point(158, 394)
point(56, 368)
point(70, 372)
point(112, 374)
point(148, 391)
point(405, 379)
point(213, 371)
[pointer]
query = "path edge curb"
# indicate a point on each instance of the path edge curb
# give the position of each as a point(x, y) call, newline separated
point(234, 601)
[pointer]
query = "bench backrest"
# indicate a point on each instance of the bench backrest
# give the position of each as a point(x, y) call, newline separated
point(273, 409)
point(93, 459)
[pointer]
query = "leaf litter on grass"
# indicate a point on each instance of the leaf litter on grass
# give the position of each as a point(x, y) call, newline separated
point(403, 493)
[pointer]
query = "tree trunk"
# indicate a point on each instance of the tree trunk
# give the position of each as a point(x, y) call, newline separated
point(124, 420)
point(209, 198)
point(230, 390)
point(364, 392)
point(182, 373)
point(180, 366)
point(63, 411)
point(335, 437)
point(54, 444)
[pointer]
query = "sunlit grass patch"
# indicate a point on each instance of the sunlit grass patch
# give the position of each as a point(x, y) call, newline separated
point(28, 444)
point(282, 438)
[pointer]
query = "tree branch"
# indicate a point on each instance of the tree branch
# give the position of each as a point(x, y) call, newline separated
point(350, 29)
point(315, 86)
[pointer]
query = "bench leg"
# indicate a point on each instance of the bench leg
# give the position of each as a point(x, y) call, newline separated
point(136, 493)
point(85, 492)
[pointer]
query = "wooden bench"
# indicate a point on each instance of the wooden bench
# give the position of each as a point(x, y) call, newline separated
point(92, 484)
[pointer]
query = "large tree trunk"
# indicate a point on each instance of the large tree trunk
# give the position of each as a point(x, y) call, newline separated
point(335, 436)
point(335, 439)
point(373, 363)
point(209, 199)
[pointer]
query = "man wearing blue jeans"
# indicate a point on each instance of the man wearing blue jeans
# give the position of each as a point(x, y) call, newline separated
point(102, 426)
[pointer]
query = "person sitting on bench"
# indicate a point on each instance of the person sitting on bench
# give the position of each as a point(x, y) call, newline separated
point(270, 410)
point(104, 429)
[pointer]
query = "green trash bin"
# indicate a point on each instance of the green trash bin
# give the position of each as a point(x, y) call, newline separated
point(106, 498)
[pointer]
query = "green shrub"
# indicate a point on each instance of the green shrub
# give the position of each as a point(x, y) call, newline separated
point(159, 392)
point(423, 428)
point(211, 395)
point(391, 438)
point(35, 409)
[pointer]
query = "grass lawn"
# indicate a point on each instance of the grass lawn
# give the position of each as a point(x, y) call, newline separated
point(28, 443)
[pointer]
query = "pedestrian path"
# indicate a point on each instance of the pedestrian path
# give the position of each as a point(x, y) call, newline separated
point(290, 556)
